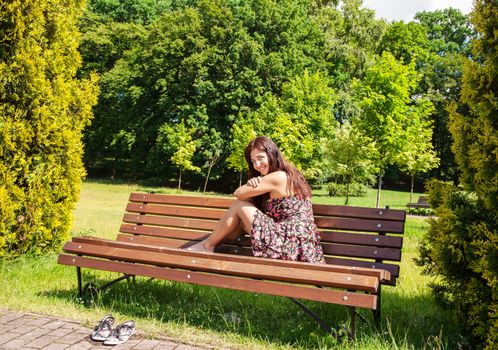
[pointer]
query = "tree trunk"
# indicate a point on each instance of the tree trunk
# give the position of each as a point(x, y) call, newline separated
point(240, 178)
point(411, 189)
point(207, 178)
point(377, 204)
point(180, 181)
point(347, 193)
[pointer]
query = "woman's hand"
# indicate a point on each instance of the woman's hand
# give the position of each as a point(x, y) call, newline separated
point(254, 182)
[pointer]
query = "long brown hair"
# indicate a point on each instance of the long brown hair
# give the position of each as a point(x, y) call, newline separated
point(276, 161)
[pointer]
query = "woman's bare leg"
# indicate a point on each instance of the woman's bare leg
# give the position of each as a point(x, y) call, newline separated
point(238, 218)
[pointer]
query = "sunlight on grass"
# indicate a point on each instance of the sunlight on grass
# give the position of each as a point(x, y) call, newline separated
point(218, 317)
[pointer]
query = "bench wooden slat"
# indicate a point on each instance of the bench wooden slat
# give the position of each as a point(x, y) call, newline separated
point(177, 243)
point(203, 213)
point(392, 268)
point(213, 202)
point(360, 225)
point(330, 223)
point(368, 301)
point(166, 232)
point(210, 264)
point(358, 212)
point(160, 242)
point(362, 252)
point(422, 202)
point(361, 239)
point(196, 224)
point(381, 274)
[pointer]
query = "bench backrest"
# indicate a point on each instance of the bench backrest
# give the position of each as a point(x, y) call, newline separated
point(351, 236)
point(423, 199)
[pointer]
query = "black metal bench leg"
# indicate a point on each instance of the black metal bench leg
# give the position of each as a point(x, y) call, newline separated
point(376, 312)
point(352, 335)
point(317, 318)
point(107, 285)
point(80, 288)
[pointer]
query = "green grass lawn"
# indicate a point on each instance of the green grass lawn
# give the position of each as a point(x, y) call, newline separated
point(218, 317)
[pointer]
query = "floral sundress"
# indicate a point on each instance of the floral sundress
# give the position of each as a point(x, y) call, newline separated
point(286, 230)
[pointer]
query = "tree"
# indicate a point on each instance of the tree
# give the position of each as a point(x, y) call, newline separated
point(448, 30)
point(300, 120)
point(461, 247)
point(437, 41)
point(205, 62)
point(407, 42)
point(43, 109)
point(385, 95)
point(179, 141)
point(449, 33)
point(350, 156)
point(212, 154)
point(418, 156)
point(242, 133)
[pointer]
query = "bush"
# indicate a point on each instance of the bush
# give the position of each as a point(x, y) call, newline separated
point(437, 190)
point(460, 248)
point(43, 110)
point(341, 190)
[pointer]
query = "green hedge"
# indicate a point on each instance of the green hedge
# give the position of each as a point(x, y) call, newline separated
point(43, 110)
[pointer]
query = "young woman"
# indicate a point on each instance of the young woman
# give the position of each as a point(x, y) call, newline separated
point(274, 207)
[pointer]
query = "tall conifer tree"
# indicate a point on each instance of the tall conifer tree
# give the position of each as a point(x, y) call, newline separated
point(461, 246)
point(43, 109)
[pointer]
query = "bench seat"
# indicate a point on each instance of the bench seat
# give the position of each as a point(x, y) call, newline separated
point(361, 246)
point(422, 202)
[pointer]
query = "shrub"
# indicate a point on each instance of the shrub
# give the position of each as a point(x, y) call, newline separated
point(460, 248)
point(43, 110)
point(341, 190)
point(438, 190)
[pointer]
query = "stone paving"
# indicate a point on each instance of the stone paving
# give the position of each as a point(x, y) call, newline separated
point(20, 330)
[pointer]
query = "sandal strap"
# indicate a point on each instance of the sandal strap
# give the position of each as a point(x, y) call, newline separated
point(123, 330)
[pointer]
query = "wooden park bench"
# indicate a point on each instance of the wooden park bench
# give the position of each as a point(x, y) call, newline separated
point(422, 203)
point(361, 246)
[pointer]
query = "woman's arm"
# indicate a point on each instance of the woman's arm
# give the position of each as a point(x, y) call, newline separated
point(274, 183)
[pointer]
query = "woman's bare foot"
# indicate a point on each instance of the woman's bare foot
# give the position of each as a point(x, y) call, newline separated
point(201, 247)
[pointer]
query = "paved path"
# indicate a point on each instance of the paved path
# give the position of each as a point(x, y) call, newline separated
point(31, 331)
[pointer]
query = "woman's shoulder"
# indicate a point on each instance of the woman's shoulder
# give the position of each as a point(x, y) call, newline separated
point(279, 175)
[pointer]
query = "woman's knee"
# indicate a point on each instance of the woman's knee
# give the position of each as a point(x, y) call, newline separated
point(239, 204)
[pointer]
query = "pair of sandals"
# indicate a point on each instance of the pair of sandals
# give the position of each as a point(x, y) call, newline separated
point(104, 331)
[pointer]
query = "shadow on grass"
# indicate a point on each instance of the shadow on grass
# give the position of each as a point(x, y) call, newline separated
point(412, 322)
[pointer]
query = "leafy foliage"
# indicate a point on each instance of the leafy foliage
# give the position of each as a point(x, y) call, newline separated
point(353, 189)
point(218, 64)
point(460, 248)
point(206, 64)
point(43, 110)
point(390, 109)
point(462, 245)
point(349, 159)
point(179, 141)
point(300, 120)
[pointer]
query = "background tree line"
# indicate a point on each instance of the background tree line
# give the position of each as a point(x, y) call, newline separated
point(297, 70)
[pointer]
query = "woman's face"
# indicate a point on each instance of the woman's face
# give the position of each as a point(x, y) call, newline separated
point(259, 161)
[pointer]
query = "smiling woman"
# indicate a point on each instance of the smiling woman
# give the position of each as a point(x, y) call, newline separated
point(274, 207)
